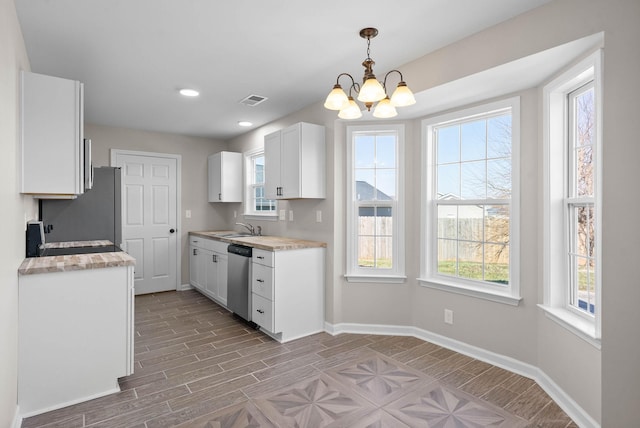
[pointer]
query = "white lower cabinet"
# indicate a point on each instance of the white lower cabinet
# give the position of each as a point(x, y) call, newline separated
point(287, 288)
point(76, 334)
point(208, 261)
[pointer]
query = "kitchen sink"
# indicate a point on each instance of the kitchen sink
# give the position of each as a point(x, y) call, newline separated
point(235, 235)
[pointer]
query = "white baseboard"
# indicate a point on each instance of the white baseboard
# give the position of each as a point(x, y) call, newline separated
point(17, 419)
point(562, 399)
point(185, 287)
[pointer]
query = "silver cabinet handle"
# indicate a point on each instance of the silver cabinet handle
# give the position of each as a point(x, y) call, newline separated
point(260, 280)
point(260, 311)
point(195, 251)
point(260, 257)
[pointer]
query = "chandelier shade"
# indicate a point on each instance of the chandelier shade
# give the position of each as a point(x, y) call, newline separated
point(352, 111)
point(370, 92)
point(337, 99)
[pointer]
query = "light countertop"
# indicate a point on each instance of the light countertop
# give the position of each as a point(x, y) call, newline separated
point(267, 243)
point(36, 265)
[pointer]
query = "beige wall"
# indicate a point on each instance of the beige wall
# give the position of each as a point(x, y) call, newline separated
point(194, 152)
point(15, 208)
point(606, 384)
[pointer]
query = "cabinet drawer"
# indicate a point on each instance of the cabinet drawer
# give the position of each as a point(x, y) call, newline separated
point(262, 312)
point(263, 257)
point(262, 280)
point(196, 241)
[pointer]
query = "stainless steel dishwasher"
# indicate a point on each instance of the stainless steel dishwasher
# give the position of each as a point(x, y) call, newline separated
point(238, 283)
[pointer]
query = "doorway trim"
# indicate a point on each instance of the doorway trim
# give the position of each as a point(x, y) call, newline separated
point(112, 162)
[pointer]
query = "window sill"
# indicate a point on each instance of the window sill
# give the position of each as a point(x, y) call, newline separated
point(574, 323)
point(266, 217)
point(472, 291)
point(390, 279)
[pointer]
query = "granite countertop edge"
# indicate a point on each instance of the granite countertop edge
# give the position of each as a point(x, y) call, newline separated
point(267, 243)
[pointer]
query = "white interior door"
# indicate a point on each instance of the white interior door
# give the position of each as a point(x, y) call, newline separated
point(149, 218)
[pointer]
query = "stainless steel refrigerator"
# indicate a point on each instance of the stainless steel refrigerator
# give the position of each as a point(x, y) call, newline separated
point(94, 215)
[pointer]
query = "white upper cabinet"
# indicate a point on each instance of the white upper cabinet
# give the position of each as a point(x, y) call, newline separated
point(225, 177)
point(295, 162)
point(52, 148)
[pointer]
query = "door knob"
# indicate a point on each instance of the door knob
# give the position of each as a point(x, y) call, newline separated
point(172, 230)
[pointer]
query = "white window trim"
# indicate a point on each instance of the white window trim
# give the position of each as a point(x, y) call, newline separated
point(555, 128)
point(248, 197)
point(354, 273)
point(428, 274)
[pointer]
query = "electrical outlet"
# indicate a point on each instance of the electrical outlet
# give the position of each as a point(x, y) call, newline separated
point(235, 214)
point(283, 215)
point(187, 214)
point(448, 316)
point(318, 216)
point(290, 215)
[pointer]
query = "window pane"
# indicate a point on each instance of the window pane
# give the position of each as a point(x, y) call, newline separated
point(499, 179)
point(584, 171)
point(364, 151)
point(258, 165)
point(472, 141)
point(496, 224)
point(470, 218)
point(585, 117)
point(499, 137)
point(447, 221)
point(449, 181)
point(470, 260)
point(366, 251)
point(365, 185)
point(385, 184)
point(366, 221)
point(386, 151)
point(496, 263)
point(473, 180)
point(448, 149)
point(384, 221)
point(447, 257)
point(384, 252)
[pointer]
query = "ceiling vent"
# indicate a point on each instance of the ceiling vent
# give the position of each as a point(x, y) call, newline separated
point(253, 100)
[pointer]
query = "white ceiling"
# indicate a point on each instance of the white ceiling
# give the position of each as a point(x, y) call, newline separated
point(134, 55)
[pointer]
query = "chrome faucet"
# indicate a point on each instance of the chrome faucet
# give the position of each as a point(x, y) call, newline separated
point(251, 229)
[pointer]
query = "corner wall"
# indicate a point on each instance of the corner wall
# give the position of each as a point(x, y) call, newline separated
point(15, 207)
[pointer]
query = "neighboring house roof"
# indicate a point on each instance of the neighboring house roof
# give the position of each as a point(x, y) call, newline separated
point(366, 192)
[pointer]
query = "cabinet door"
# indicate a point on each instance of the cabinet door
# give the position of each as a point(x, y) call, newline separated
point(272, 185)
point(210, 272)
point(290, 158)
point(225, 177)
point(215, 177)
point(193, 266)
point(52, 135)
point(223, 263)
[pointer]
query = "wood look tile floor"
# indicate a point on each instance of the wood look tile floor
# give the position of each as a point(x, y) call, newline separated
point(197, 366)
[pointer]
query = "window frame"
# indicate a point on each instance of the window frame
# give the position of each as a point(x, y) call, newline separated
point(557, 170)
point(249, 189)
point(355, 273)
point(429, 276)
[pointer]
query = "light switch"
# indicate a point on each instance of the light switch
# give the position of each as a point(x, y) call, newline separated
point(283, 215)
point(187, 213)
point(318, 216)
point(290, 215)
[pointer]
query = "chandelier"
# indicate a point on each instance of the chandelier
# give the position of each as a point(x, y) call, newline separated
point(370, 92)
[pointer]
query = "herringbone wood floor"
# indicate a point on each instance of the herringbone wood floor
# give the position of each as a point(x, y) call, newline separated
point(197, 366)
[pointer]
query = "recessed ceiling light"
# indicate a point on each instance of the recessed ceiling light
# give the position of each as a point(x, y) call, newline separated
point(244, 123)
point(189, 92)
